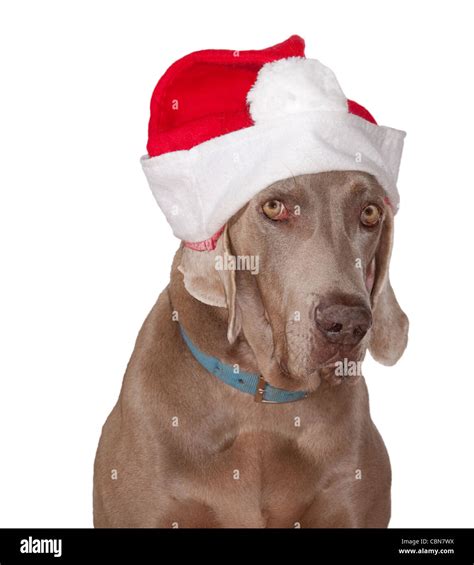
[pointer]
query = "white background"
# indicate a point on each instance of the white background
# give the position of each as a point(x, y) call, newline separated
point(85, 250)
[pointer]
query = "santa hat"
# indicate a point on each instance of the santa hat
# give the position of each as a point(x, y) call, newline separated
point(225, 125)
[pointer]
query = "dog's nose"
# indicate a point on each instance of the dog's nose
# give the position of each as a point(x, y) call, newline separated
point(343, 324)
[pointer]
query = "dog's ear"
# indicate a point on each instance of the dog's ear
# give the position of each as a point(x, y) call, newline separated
point(208, 279)
point(389, 332)
point(201, 279)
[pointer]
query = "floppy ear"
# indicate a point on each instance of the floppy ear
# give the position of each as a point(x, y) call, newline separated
point(207, 279)
point(389, 332)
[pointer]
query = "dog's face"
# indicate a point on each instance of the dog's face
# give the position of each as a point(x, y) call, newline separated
point(311, 289)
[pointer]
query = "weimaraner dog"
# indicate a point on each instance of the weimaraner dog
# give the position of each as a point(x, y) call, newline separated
point(182, 448)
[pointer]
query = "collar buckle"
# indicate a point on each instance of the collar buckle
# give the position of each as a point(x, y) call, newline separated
point(260, 392)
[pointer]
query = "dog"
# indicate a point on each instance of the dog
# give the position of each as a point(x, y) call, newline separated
point(181, 448)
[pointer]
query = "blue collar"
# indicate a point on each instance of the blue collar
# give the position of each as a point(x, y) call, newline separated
point(251, 383)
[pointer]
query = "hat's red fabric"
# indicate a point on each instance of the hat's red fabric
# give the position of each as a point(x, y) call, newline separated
point(203, 95)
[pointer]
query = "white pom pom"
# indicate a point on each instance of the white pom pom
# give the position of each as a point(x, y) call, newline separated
point(294, 85)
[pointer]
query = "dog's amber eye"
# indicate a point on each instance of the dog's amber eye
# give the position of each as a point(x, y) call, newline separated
point(275, 210)
point(371, 215)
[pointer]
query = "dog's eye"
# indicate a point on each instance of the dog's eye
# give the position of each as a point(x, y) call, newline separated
point(275, 210)
point(371, 215)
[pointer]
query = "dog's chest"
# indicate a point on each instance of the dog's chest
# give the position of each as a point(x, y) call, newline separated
point(259, 479)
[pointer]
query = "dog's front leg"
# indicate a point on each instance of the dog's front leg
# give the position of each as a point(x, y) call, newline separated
point(342, 507)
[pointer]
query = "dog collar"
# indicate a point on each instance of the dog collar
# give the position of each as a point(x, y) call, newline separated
point(250, 383)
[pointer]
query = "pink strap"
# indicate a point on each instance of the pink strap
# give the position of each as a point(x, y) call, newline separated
point(389, 202)
point(207, 244)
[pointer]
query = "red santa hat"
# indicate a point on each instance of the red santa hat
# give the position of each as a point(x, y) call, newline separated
point(226, 124)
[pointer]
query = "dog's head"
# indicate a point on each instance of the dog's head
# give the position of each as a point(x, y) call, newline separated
point(303, 272)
